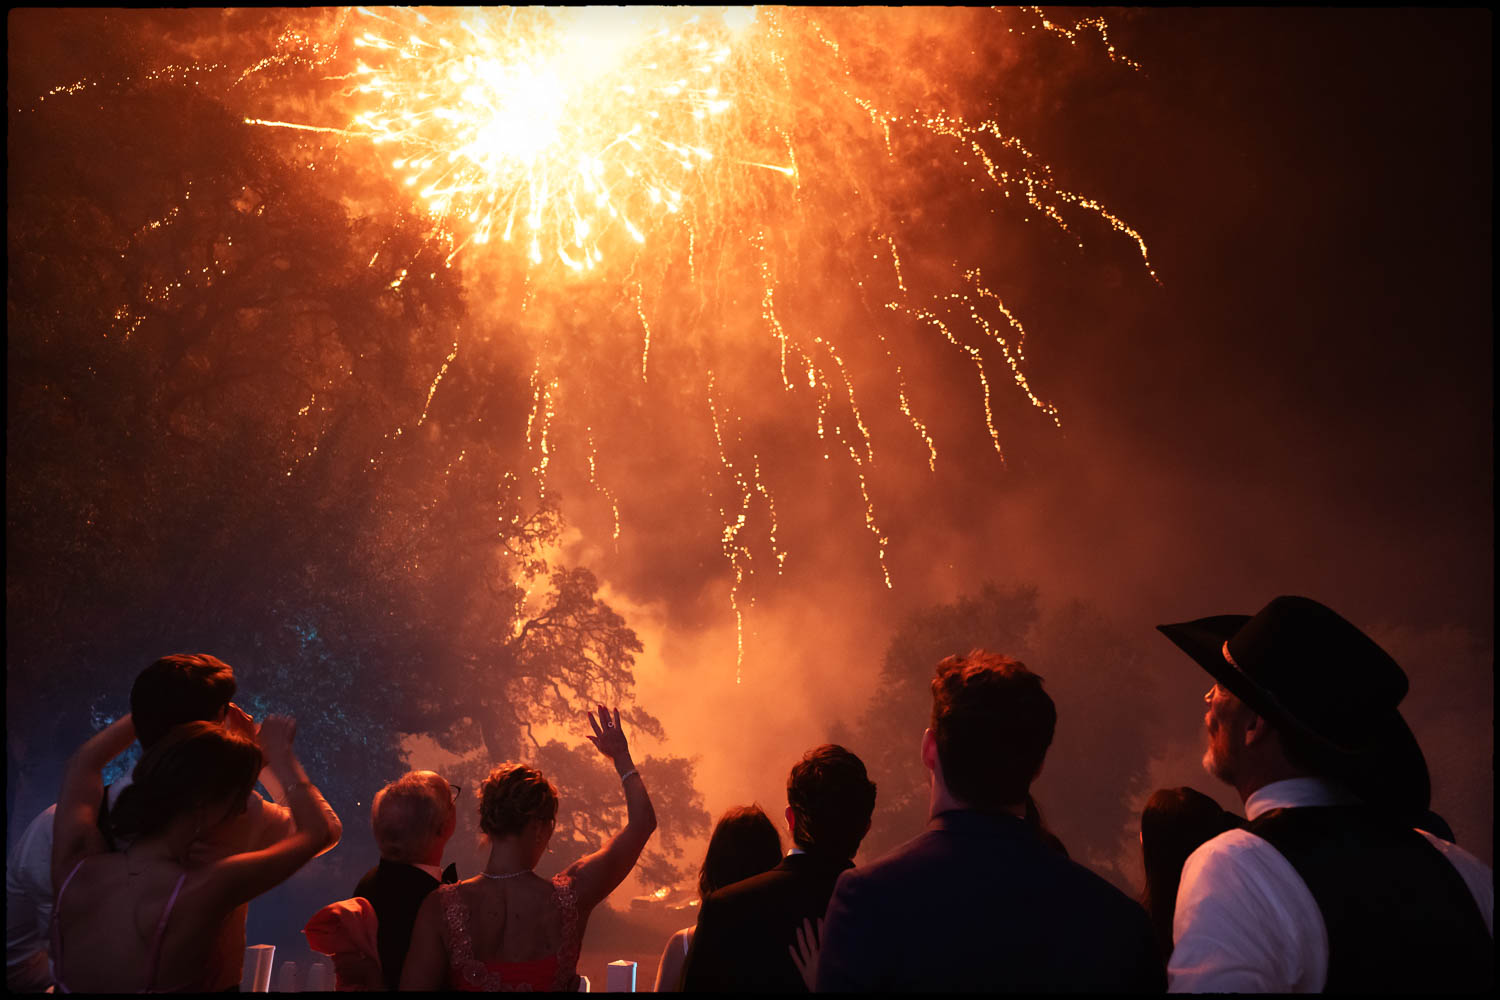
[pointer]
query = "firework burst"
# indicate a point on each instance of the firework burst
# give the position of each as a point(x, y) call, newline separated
point(692, 168)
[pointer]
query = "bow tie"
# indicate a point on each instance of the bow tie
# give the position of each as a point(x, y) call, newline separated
point(450, 874)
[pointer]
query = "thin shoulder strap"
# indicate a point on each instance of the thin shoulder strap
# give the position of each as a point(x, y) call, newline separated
point(161, 927)
point(58, 901)
point(56, 930)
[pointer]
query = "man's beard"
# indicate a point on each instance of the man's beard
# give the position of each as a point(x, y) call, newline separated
point(1218, 765)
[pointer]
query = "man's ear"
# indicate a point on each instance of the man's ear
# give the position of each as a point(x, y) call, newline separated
point(791, 824)
point(929, 750)
point(1257, 729)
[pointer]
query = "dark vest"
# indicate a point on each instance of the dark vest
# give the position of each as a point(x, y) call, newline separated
point(1400, 918)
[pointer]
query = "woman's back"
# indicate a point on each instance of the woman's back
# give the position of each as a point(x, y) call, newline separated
point(137, 920)
point(518, 932)
point(131, 927)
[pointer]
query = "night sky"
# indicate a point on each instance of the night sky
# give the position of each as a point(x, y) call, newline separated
point(1301, 405)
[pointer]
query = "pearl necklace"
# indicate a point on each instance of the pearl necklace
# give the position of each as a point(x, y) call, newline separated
point(526, 871)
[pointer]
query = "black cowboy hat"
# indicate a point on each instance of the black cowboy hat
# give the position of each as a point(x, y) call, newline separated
point(1303, 667)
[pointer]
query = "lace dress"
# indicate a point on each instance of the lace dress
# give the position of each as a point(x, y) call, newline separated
point(555, 972)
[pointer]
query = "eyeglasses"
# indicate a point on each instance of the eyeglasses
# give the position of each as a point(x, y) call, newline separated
point(456, 790)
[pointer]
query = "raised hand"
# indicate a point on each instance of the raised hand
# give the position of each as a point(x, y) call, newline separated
point(609, 738)
point(805, 952)
point(275, 738)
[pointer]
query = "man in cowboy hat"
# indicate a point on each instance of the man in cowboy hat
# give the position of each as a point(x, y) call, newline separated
point(1328, 887)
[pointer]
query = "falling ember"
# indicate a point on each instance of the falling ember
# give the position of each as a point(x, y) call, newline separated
point(666, 171)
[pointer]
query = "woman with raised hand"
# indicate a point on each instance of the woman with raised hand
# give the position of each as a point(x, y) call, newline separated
point(508, 928)
point(138, 920)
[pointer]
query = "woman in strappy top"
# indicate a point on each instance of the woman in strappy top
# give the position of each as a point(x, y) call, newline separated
point(138, 920)
point(507, 928)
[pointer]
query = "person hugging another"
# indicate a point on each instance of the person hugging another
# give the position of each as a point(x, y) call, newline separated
point(746, 931)
point(412, 818)
point(744, 843)
point(175, 689)
point(147, 919)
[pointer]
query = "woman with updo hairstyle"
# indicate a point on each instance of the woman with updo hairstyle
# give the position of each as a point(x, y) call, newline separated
point(139, 920)
point(508, 928)
point(744, 843)
point(513, 796)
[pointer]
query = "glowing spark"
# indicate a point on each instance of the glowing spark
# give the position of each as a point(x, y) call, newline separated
point(432, 389)
point(640, 311)
point(299, 126)
point(614, 503)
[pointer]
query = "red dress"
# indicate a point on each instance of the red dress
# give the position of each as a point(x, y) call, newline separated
point(554, 972)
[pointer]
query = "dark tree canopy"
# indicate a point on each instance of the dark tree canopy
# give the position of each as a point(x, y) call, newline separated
point(236, 423)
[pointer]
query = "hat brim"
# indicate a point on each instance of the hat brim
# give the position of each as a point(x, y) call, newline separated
point(1393, 772)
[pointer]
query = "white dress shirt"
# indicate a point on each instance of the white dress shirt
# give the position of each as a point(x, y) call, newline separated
point(1246, 922)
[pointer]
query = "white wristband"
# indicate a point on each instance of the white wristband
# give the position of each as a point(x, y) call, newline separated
point(628, 774)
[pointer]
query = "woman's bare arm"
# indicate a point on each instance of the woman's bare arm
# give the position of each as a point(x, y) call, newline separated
point(597, 875)
point(241, 877)
point(426, 967)
point(673, 959)
point(75, 827)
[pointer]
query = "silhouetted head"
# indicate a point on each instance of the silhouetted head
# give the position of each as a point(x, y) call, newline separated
point(829, 801)
point(518, 801)
point(196, 766)
point(413, 817)
point(1175, 823)
point(183, 687)
point(744, 843)
point(992, 724)
point(1300, 690)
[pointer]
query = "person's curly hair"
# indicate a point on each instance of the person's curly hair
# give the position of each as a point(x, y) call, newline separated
point(993, 723)
point(512, 796)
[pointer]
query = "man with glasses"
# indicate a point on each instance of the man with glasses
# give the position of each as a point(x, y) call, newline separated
point(413, 818)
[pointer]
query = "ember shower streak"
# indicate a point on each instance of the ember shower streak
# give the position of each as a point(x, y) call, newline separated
point(604, 153)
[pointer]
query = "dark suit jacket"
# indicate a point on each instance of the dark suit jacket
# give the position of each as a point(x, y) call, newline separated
point(396, 891)
point(980, 902)
point(744, 929)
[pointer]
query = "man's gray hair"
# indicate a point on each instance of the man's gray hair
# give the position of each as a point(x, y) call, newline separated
point(409, 814)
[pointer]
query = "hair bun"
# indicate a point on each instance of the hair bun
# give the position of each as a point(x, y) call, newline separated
point(512, 796)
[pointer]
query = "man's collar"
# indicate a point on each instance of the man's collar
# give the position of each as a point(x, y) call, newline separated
point(967, 820)
point(436, 871)
point(1293, 793)
point(797, 858)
